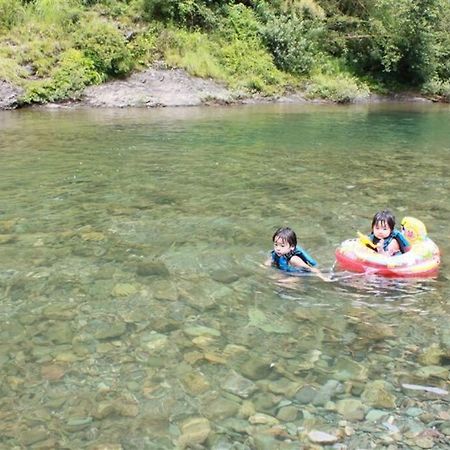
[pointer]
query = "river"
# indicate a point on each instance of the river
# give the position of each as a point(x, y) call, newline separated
point(136, 311)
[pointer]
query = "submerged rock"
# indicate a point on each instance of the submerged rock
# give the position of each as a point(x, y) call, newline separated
point(377, 394)
point(78, 423)
point(320, 437)
point(154, 341)
point(351, 409)
point(238, 385)
point(431, 355)
point(194, 431)
point(152, 268)
point(347, 369)
point(287, 413)
point(258, 319)
point(224, 276)
point(256, 368)
point(124, 290)
point(195, 382)
point(433, 372)
point(52, 372)
point(262, 419)
point(107, 330)
point(221, 408)
point(200, 330)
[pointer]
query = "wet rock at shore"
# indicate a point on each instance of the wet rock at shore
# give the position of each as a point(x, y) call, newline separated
point(9, 95)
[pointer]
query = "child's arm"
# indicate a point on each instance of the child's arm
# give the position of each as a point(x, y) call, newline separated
point(391, 250)
point(393, 247)
point(268, 262)
point(319, 274)
point(296, 261)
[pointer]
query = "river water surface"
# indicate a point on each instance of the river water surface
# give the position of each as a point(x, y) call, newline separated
point(135, 310)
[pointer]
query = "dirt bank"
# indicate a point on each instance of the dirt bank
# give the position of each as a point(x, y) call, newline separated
point(162, 87)
point(150, 88)
point(157, 87)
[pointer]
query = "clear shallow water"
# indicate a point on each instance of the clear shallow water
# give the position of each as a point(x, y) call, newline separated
point(132, 297)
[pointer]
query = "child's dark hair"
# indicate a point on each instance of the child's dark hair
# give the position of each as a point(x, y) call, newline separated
point(286, 234)
point(384, 216)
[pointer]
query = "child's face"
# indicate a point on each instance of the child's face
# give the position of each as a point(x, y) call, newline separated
point(381, 230)
point(281, 246)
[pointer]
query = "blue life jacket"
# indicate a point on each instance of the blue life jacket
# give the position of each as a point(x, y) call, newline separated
point(402, 241)
point(282, 262)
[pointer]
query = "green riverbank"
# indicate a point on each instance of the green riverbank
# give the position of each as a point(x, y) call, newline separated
point(52, 51)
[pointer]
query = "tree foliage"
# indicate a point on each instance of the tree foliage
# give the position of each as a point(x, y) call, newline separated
point(59, 46)
point(400, 41)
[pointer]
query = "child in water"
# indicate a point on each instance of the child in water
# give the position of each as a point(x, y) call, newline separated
point(288, 256)
point(387, 239)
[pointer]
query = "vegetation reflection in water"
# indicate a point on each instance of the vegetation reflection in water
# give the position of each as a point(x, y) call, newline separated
point(135, 312)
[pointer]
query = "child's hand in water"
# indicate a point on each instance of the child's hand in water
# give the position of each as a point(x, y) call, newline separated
point(321, 275)
point(324, 278)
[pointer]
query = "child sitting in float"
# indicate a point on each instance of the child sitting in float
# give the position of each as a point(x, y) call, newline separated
point(385, 238)
point(409, 253)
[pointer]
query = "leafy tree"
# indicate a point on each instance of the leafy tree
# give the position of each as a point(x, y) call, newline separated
point(293, 32)
point(398, 41)
point(294, 42)
point(404, 38)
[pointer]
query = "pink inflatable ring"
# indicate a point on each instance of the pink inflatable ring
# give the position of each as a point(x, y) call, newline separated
point(421, 261)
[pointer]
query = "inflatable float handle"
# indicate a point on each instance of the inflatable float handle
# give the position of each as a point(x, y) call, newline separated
point(365, 240)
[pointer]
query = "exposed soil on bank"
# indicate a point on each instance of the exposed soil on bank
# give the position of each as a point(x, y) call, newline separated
point(159, 87)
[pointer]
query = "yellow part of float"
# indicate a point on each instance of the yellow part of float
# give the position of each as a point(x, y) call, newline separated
point(365, 240)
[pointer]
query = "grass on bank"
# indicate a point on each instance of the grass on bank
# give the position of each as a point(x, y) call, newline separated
point(240, 65)
point(54, 49)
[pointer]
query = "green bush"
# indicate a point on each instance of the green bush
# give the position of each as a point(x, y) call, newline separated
point(74, 72)
point(193, 51)
point(164, 10)
point(11, 13)
point(241, 63)
point(36, 46)
point(60, 12)
point(192, 13)
point(241, 51)
point(437, 88)
point(249, 67)
point(112, 8)
point(340, 88)
point(294, 42)
point(11, 71)
point(142, 47)
point(103, 43)
point(240, 22)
